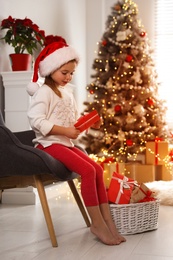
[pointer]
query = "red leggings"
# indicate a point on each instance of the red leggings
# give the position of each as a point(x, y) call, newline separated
point(92, 184)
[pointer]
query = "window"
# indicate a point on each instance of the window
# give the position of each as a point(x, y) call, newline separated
point(164, 51)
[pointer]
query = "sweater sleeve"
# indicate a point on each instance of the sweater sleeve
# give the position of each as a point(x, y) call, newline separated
point(38, 112)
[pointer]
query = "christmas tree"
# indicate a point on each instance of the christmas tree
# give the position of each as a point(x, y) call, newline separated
point(125, 88)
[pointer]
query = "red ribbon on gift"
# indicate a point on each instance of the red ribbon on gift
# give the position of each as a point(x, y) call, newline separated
point(117, 168)
point(148, 196)
point(171, 155)
point(157, 140)
point(147, 199)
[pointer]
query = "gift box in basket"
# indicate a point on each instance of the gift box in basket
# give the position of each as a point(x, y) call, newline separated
point(142, 193)
point(120, 189)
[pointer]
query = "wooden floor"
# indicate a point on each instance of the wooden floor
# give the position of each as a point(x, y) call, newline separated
point(24, 235)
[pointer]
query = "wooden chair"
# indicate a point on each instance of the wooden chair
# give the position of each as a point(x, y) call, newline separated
point(22, 165)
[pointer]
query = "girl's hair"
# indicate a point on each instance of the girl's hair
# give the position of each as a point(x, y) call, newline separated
point(51, 83)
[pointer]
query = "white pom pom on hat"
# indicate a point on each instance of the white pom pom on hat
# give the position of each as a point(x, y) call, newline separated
point(52, 57)
point(31, 88)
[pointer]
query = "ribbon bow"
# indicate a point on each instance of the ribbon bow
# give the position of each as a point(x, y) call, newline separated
point(124, 184)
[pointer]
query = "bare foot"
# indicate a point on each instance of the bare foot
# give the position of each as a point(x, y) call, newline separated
point(104, 234)
point(115, 232)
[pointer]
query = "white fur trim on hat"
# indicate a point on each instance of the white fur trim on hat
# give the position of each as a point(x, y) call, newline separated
point(56, 59)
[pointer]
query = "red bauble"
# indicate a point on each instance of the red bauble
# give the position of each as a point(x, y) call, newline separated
point(150, 102)
point(129, 58)
point(91, 91)
point(117, 7)
point(171, 155)
point(142, 34)
point(129, 142)
point(117, 108)
point(104, 42)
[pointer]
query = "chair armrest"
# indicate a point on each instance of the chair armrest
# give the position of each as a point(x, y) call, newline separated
point(25, 137)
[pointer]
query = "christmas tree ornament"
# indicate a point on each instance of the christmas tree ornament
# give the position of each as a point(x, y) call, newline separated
point(142, 34)
point(150, 102)
point(104, 42)
point(121, 36)
point(130, 119)
point(117, 108)
point(117, 7)
point(121, 135)
point(139, 110)
point(129, 58)
point(129, 142)
point(91, 91)
point(137, 76)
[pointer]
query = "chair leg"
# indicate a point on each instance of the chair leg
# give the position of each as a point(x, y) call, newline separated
point(79, 202)
point(1, 195)
point(46, 211)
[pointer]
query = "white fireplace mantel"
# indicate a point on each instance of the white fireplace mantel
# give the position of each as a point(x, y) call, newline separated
point(16, 106)
point(16, 99)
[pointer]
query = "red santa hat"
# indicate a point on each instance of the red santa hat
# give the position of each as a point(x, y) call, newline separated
point(52, 57)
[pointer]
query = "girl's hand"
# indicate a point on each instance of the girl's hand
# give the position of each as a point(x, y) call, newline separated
point(72, 132)
point(97, 124)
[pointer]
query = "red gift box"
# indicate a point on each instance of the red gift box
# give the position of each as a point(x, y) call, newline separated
point(120, 189)
point(86, 121)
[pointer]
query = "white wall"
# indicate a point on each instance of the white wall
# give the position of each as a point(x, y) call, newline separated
point(80, 22)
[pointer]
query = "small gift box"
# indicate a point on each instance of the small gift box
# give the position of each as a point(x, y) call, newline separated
point(86, 121)
point(120, 189)
point(140, 172)
point(141, 193)
point(156, 152)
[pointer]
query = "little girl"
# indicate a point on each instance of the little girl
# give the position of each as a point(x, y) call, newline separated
point(52, 115)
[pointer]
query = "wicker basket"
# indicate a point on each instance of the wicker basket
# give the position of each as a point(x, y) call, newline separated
point(135, 218)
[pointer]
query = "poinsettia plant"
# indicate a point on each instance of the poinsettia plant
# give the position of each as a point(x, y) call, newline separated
point(22, 34)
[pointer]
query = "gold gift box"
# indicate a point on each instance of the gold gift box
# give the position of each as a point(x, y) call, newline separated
point(109, 168)
point(164, 172)
point(140, 172)
point(156, 152)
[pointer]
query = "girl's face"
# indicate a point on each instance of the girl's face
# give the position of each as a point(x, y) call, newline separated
point(64, 74)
